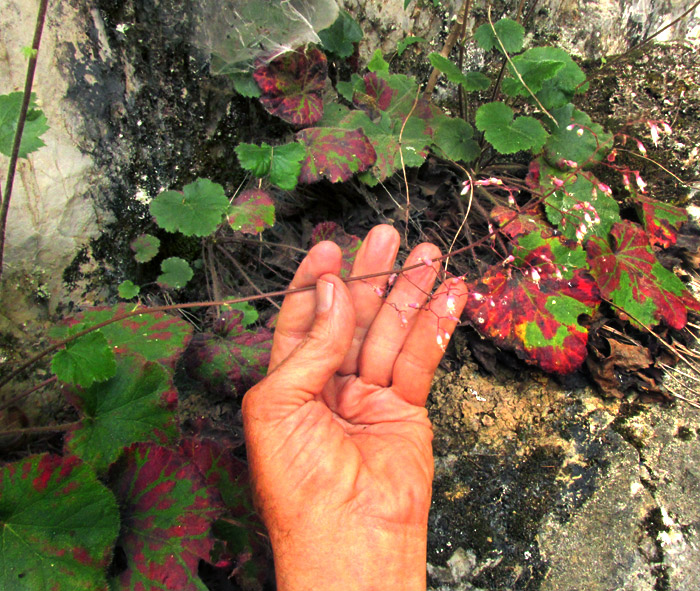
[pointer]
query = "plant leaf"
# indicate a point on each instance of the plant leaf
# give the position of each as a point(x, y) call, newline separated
point(516, 223)
point(471, 81)
point(509, 32)
point(59, 524)
point(156, 336)
point(377, 63)
point(341, 36)
point(197, 211)
point(230, 360)
point(402, 45)
point(250, 314)
point(629, 275)
point(335, 154)
point(34, 125)
point(252, 211)
point(349, 243)
point(145, 247)
point(282, 163)
point(176, 272)
point(506, 135)
point(574, 201)
point(533, 307)
point(128, 290)
point(660, 220)
point(167, 511)
point(575, 139)
point(454, 137)
point(292, 85)
point(135, 405)
point(86, 360)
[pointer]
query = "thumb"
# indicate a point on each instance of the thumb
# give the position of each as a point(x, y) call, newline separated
point(309, 367)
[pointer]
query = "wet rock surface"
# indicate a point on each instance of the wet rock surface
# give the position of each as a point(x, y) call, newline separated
point(539, 486)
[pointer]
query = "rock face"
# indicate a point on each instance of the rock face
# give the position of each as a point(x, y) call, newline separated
point(538, 488)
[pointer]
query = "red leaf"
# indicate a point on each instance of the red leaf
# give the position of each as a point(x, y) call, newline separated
point(629, 275)
point(349, 243)
point(292, 85)
point(534, 307)
point(660, 220)
point(232, 359)
point(334, 153)
point(377, 96)
point(252, 211)
point(167, 511)
point(518, 223)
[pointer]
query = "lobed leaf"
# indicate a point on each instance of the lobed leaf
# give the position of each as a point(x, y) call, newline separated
point(281, 163)
point(335, 154)
point(128, 290)
point(377, 63)
point(402, 45)
point(156, 336)
point(341, 36)
point(453, 136)
point(292, 85)
point(575, 138)
point(176, 272)
point(59, 524)
point(510, 33)
point(197, 211)
point(230, 360)
point(167, 512)
point(642, 290)
point(516, 223)
point(86, 360)
point(660, 220)
point(34, 126)
point(145, 247)
point(349, 243)
point(135, 405)
point(252, 212)
point(506, 135)
point(533, 307)
point(471, 81)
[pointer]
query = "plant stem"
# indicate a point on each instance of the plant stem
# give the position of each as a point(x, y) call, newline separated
point(26, 393)
point(12, 167)
point(44, 429)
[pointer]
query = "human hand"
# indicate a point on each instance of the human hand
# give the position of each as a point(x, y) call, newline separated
point(338, 439)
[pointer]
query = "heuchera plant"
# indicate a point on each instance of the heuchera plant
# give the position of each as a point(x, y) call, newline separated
point(132, 484)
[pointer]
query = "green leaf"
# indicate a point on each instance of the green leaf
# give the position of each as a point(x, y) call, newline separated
point(250, 314)
point(575, 138)
point(341, 36)
point(282, 163)
point(28, 52)
point(509, 32)
point(59, 525)
point(378, 63)
point(252, 211)
point(85, 360)
point(197, 211)
point(34, 126)
point(470, 81)
point(402, 45)
point(145, 247)
point(157, 336)
point(508, 136)
point(245, 85)
point(176, 272)
point(135, 405)
point(454, 138)
point(128, 290)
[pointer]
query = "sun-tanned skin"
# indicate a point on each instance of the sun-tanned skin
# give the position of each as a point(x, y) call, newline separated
point(338, 438)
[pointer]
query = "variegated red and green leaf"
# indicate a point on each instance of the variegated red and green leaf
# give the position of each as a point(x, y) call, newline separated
point(252, 212)
point(58, 525)
point(517, 223)
point(292, 85)
point(232, 359)
point(534, 306)
point(335, 154)
point(630, 276)
point(661, 220)
point(167, 512)
point(135, 405)
point(374, 95)
point(157, 336)
point(349, 243)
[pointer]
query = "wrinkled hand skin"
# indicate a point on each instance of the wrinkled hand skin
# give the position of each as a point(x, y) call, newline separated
point(337, 435)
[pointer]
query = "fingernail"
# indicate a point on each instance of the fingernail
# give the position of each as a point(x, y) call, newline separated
point(324, 296)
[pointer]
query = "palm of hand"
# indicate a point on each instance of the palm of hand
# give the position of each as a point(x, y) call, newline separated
point(351, 443)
